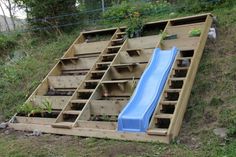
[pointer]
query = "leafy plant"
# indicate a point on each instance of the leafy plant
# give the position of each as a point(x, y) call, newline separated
point(163, 36)
point(29, 109)
point(47, 106)
point(6, 43)
point(135, 25)
point(195, 32)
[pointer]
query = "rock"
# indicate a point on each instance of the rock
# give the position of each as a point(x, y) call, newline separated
point(37, 133)
point(212, 34)
point(221, 132)
point(3, 125)
point(7, 132)
point(172, 14)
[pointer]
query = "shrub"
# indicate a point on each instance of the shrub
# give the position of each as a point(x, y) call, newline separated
point(7, 42)
point(135, 25)
point(202, 5)
point(120, 12)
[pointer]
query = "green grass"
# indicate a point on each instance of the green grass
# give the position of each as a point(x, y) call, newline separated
point(211, 104)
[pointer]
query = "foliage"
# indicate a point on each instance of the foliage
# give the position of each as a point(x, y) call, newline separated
point(7, 42)
point(29, 109)
point(135, 25)
point(120, 12)
point(195, 32)
point(49, 13)
point(19, 79)
point(196, 6)
point(47, 106)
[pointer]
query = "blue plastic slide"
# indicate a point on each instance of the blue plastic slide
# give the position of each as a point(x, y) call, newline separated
point(136, 115)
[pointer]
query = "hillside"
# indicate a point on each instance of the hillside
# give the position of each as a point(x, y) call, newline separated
point(211, 105)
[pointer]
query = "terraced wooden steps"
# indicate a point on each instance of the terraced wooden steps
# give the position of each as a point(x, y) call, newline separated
point(94, 80)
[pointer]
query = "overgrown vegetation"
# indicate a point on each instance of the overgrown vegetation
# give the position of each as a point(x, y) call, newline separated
point(126, 9)
point(7, 43)
point(211, 105)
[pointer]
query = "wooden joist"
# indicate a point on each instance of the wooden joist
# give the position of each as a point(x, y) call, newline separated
point(129, 66)
point(159, 131)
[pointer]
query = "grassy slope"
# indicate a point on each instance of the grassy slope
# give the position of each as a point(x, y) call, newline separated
point(212, 104)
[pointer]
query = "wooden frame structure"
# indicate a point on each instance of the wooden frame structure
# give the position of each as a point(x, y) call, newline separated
point(93, 81)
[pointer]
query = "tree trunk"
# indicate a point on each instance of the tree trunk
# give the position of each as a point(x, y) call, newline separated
point(4, 16)
point(9, 7)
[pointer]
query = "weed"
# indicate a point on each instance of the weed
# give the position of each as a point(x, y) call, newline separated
point(47, 106)
point(228, 119)
point(216, 101)
point(195, 32)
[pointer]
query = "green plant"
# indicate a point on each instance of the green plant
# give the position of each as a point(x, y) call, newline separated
point(195, 32)
point(196, 6)
point(29, 109)
point(6, 43)
point(118, 13)
point(163, 36)
point(135, 25)
point(216, 101)
point(47, 106)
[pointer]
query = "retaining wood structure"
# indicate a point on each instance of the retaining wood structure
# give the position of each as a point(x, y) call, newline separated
point(93, 81)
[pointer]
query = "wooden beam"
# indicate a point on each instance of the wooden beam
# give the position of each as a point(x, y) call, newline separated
point(89, 132)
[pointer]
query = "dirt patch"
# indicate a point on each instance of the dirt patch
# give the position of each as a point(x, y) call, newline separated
point(209, 117)
point(124, 149)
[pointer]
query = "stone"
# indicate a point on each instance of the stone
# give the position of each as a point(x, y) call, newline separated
point(3, 125)
point(37, 133)
point(7, 132)
point(221, 132)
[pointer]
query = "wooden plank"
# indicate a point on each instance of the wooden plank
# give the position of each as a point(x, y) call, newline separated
point(107, 107)
point(84, 63)
point(65, 81)
point(181, 106)
point(89, 132)
point(35, 120)
point(64, 125)
point(99, 31)
point(92, 47)
point(159, 131)
point(126, 74)
point(182, 31)
point(58, 102)
point(113, 90)
point(97, 125)
point(164, 116)
point(72, 112)
point(185, 44)
point(148, 42)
